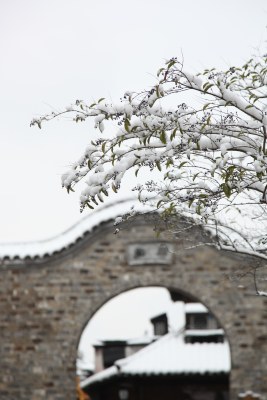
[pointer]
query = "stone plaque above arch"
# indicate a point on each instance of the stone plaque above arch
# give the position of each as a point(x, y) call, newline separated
point(150, 253)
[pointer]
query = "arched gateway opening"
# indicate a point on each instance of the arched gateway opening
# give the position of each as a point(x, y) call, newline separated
point(50, 290)
point(154, 343)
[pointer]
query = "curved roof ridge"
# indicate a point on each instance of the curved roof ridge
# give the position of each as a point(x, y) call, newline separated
point(47, 247)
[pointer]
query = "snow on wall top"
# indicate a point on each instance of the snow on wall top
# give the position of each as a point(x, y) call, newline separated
point(56, 244)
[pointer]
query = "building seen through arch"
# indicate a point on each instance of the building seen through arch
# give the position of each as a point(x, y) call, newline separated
point(187, 356)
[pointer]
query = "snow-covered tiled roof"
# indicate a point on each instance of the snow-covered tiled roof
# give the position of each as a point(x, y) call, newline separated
point(195, 308)
point(141, 340)
point(204, 332)
point(100, 376)
point(170, 355)
point(58, 243)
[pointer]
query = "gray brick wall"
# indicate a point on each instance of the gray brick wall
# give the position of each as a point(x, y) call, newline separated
point(45, 305)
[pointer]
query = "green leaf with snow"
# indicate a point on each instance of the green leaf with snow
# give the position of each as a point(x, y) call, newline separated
point(127, 125)
point(114, 188)
point(163, 137)
point(207, 86)
point(226, 189)
point(158, 165)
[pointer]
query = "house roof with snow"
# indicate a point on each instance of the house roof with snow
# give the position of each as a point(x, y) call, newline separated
point(170, 355)
point(142, 340)
point(44, 248)
point(195, 308)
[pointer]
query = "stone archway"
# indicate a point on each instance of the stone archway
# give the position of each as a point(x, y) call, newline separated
point(155, 381)
point(46, 301)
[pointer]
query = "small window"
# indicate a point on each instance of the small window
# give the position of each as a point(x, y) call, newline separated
point(112, 354)
point(200, 321)
point(160, 324)
point(160, 328)
point(196, 321)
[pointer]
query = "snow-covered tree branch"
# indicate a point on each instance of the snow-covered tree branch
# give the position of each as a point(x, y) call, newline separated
point(212, 153)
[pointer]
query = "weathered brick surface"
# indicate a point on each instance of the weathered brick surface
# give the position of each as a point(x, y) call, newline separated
point(45, 304)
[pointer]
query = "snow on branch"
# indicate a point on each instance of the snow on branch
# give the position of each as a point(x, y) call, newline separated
point(211, 153)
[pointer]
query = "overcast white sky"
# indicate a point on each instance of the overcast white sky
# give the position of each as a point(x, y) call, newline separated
point(55, 51)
